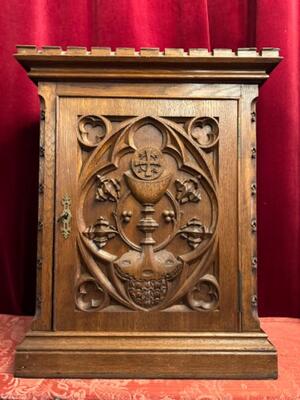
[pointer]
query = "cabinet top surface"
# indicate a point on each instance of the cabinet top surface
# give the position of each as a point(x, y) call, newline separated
point(195, 65)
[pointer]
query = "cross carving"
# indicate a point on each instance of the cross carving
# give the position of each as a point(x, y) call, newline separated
point(147, 163)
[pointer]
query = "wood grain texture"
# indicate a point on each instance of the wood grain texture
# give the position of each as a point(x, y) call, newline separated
point(147, 242)
point(147, 355)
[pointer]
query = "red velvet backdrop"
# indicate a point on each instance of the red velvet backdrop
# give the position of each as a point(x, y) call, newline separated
point(160, 23)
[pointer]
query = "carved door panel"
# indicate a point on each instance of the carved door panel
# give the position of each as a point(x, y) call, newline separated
point(147, 192)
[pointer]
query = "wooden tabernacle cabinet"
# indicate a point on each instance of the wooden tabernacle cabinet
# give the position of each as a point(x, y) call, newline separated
point(147, 214)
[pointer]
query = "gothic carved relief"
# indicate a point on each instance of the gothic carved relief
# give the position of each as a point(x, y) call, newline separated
point(100, 232)
point(149, 199)
point(108, 189)
point(187, 190)
point(91, 130)
point(147, 163)
point(89, 295)
point(204, 131)
point(194, 232)
point(126, 216)
point(205, 294)
point(169, 216)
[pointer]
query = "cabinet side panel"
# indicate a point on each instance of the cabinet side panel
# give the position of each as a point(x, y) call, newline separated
point(43, 317)
point(247, 208)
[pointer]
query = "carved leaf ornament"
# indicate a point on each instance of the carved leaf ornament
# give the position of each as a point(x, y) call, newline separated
point(187, 190)
point(149, 199)
point(108, 189)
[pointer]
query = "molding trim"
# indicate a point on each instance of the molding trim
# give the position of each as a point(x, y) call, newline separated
point(194, 65)
point(170, 355)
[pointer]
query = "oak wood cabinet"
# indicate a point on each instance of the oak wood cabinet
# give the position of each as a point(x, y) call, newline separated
point(147, 215)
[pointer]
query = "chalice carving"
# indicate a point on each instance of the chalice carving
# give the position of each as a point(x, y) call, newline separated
point(147, 271)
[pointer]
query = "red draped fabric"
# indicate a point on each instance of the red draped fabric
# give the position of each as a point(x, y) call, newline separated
point(158, 23)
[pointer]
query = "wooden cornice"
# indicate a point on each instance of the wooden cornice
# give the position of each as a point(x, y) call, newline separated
point(52, 63)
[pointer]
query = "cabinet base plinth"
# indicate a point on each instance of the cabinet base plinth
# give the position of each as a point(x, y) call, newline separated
point(146, 355)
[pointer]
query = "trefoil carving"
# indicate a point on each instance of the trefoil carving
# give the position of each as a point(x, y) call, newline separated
point(91, 130)
point(204, 296)
point(204, 131)
point(89, 295)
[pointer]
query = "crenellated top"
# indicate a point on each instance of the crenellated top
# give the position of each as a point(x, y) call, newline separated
point(172, 64)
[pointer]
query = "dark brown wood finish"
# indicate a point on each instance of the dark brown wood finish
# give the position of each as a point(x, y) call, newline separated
point(147, 198)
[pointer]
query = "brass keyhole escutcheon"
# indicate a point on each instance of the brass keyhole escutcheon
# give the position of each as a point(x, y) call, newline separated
point(65, 217)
